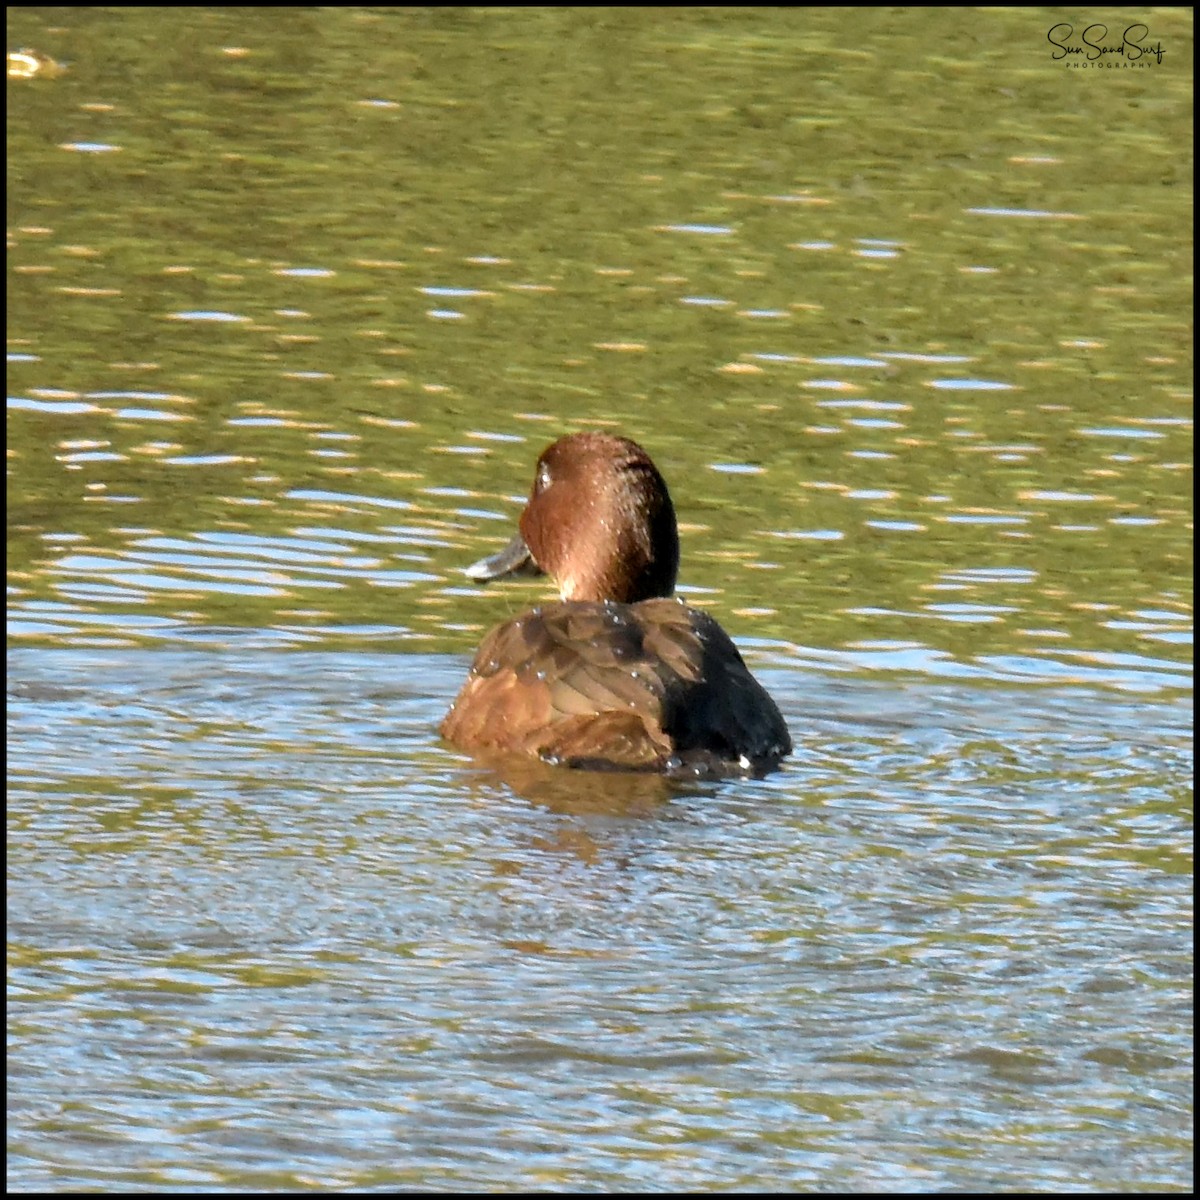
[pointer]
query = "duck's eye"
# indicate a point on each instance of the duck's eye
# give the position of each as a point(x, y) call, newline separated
point(543, 480)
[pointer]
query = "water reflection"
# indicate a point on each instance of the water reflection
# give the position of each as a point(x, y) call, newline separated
point(602, 793)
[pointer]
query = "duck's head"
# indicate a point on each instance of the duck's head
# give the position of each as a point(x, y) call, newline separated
point(599, 522)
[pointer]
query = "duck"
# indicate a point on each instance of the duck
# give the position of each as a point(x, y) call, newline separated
point(618, 674)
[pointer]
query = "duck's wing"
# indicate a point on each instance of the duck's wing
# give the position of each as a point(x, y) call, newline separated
point(569, 683)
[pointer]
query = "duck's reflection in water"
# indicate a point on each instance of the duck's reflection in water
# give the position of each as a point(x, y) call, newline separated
point(600, 793)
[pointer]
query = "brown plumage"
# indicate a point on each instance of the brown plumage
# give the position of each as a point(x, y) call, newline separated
point(617, 675)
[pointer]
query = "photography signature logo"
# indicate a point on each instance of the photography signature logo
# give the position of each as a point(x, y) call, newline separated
point(1095, 49)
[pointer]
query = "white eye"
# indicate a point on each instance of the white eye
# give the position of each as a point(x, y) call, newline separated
point(543, 477)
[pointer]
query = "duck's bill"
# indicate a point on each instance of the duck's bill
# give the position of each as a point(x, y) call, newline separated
point(514, 559)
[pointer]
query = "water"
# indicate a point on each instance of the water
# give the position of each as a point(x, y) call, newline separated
point(295, 299)
point(265, 933)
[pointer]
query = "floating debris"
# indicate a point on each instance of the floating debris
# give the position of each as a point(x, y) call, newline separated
point(25, 64)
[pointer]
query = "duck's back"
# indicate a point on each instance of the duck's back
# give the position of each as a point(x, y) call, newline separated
point(649, 686)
